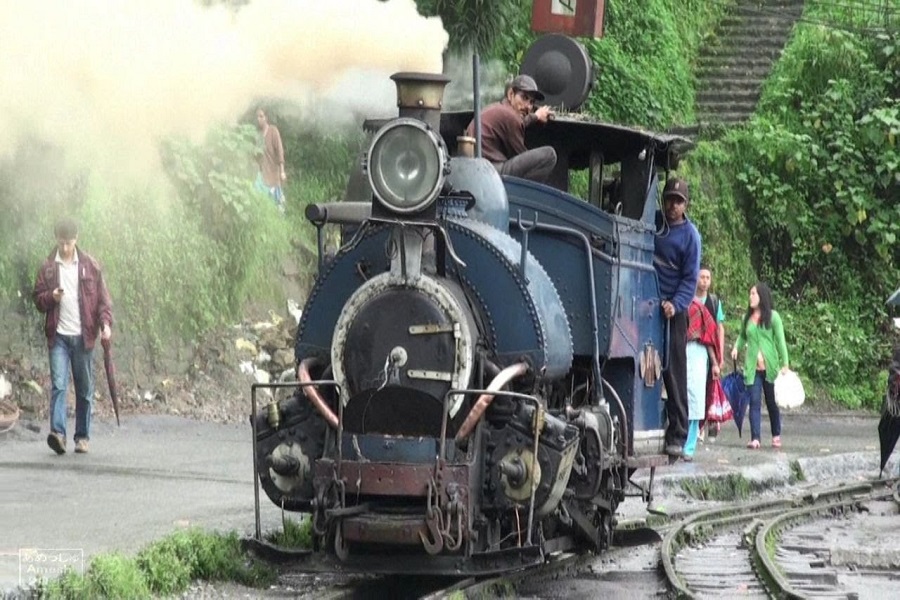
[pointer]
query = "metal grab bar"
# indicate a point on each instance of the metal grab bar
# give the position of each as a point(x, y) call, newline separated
point(667, 334)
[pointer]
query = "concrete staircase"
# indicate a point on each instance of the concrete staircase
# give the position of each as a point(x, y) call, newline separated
point(731, 70)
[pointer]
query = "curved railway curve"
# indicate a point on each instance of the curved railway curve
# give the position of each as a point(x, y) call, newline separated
point(779, 548)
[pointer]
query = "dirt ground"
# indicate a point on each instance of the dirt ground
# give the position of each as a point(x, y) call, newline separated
point(208, 380)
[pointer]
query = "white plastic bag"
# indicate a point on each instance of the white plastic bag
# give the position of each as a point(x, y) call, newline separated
point(789, 390)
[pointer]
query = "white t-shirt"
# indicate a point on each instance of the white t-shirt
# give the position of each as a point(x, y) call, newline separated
point(69, 314)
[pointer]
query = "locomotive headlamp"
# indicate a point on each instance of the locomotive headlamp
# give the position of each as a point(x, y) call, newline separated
point(406, 165)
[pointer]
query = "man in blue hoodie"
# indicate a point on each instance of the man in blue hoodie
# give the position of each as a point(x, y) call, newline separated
point(677, 261)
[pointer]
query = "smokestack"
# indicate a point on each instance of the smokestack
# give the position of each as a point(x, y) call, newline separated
point(420, 96)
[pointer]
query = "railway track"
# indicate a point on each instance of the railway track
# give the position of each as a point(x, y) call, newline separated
point(503, 585)
point(781, 548)
point(562, 565)
point(777, 548)
point(335, 586)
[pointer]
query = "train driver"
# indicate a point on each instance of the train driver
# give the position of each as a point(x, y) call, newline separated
point(503, 132)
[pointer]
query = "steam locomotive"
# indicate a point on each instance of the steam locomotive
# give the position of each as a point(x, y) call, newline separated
point(479, 364)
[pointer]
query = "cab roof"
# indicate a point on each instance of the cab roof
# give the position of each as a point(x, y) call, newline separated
point(577, 137)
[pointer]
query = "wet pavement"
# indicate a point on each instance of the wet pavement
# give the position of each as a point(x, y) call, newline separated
point(157, 474)
point(815, 448)
point(152, 476)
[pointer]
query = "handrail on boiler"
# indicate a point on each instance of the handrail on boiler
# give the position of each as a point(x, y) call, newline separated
point(503, 378)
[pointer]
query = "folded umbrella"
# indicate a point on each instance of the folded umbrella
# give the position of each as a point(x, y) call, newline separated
point(889, 425)
point(888, 434)
point(738, 395)
point(111, 377)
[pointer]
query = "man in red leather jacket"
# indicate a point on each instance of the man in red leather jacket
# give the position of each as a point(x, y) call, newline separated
point(71, 293)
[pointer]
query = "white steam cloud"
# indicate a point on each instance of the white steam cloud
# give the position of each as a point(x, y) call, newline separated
point(106, 80)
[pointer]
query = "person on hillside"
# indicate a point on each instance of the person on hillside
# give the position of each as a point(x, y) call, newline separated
point(677, 261)
point(714, 306)
point(765, 356)
point(503, 132)
point(702, 354)
point(70, 291)
point(271, 160)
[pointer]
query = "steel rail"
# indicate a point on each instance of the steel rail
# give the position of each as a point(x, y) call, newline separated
point(481, 587)
point(768, 569)
point(560, 564)
point(690, 530)
point(701, 525)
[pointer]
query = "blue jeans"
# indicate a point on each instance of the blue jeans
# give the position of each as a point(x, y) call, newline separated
point(761, 387)
point(274, 192)
point(69, 350)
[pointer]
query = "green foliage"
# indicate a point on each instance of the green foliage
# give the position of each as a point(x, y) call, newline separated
point(218, 557)
point(715, 211)
point(645, 61)
point(822, 168)
point(172, 563)
point(500, 588)
point(318, 165)
point(818, 181)
point(33, 191)
point(168, 564)
point(476, 24)
point(215, 181)
point(733, 486)
point(165, 567)
point(156, 262)
point(517, 37)
point(296, 534)
point(68, 586)
point(178, 261)
point(110, 576)
point(831, 346)
point(115, 576)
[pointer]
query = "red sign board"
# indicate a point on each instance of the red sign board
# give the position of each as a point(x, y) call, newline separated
point(578, 18)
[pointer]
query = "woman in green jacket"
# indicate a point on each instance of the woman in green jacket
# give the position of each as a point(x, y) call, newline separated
point(765, 356)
